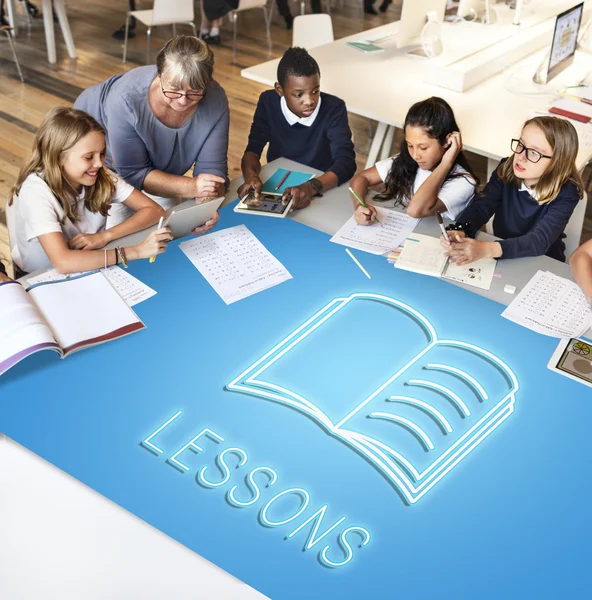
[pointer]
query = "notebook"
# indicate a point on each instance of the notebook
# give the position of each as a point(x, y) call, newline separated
point(64, 316)
point(424, 254)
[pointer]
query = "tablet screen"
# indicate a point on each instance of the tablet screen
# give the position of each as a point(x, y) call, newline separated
point(270, 203)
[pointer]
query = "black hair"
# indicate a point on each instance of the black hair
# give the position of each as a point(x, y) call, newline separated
point(436, 117)
point(296, 62)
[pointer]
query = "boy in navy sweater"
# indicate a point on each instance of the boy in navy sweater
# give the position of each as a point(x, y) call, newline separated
point(302, 124)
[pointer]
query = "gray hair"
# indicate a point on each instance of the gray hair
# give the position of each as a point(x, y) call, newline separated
point(188, 62)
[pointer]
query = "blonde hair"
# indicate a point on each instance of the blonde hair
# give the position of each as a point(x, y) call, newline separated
point(563, 139)
point(61, 129)
point(188, 61)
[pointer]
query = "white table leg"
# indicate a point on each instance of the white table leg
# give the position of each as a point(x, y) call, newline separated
point(60, 8)
point(376, 145)
point(11, 18)
point(388, 143)
point(49, 30)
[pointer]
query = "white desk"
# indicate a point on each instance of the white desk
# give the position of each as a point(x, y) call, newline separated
point(382, 87)
point(60, 539)
point(47, 8)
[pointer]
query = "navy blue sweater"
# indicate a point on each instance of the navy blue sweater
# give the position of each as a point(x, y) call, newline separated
point(527, 228)
point(326, 145)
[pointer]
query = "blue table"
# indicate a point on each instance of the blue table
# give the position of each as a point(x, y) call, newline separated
point(495, 522)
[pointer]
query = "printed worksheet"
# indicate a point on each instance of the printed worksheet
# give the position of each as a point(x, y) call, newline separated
point(235, 263)
point(131, 289)
point(377, 238)
point(478, 274)
point(551, 305)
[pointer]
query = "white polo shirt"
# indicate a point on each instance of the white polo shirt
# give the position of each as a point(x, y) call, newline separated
point(455, 193)
point(36, 211)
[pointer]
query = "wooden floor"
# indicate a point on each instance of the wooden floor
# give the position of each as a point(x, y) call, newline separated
point(23, 106)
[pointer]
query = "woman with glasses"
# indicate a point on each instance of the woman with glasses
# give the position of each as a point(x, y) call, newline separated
point(161, 120)
point(531, 196)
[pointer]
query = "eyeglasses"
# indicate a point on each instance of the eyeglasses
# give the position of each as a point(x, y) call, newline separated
point(192, 96)
point(531, 155)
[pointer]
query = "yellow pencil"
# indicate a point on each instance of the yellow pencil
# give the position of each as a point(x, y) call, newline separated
point(160, 222)
point(358, 263)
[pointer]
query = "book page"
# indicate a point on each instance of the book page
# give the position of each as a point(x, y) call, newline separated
point(377, 238)
point(551, 305)
point(84, 310)
point(131, 289)
point(478, 274)
point(422, 254)
point(22, 329)
point(235, 263)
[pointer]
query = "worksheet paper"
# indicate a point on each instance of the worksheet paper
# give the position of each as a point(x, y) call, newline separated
point(377, 238)
point(131, 289)
point(477, 274)
point(551, 305)
point(235, 263)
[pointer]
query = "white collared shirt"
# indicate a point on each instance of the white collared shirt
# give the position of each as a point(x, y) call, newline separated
point(293, 119)
point(525, 188)
point(455, 193)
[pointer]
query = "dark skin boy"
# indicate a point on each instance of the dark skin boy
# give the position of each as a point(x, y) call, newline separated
point(302, 96)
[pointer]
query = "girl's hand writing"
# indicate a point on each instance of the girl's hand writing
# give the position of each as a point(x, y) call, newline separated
point(365, 215)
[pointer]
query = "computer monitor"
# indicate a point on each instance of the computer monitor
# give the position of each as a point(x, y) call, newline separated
point(565, 40)
point(413, 18)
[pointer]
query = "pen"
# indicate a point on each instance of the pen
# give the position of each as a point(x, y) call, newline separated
point(363, 204)
point(441, 223)
point(279, 185)
point(160, 222)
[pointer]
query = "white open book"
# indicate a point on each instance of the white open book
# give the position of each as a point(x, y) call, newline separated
point(64, 316)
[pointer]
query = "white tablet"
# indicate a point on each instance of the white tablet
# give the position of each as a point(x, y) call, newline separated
point(268, 204)
point(183, 221)
point(573, 358)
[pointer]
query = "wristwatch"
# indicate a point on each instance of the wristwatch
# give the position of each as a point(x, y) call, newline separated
point(317, 186)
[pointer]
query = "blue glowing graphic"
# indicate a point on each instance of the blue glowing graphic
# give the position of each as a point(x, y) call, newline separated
point(422, 416)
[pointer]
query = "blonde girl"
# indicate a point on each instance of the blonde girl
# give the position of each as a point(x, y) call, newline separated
point(531, 195)
point(61, 199)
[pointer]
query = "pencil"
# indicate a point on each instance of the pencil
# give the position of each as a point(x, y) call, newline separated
point(573, 97)
point(358, 263)
point(363, 204)
point(279, 185)
point(160, 222)
point(441, 223)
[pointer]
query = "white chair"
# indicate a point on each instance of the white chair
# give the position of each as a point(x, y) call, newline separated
point(248, 5)
point(312, 30)
point(164, 12)
point(573, 230)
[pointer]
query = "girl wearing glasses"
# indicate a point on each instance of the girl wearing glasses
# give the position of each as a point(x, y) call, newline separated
point(163, 120)
point(531, 196)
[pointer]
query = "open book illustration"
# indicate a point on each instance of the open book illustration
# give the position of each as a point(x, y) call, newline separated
point(372, 372)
